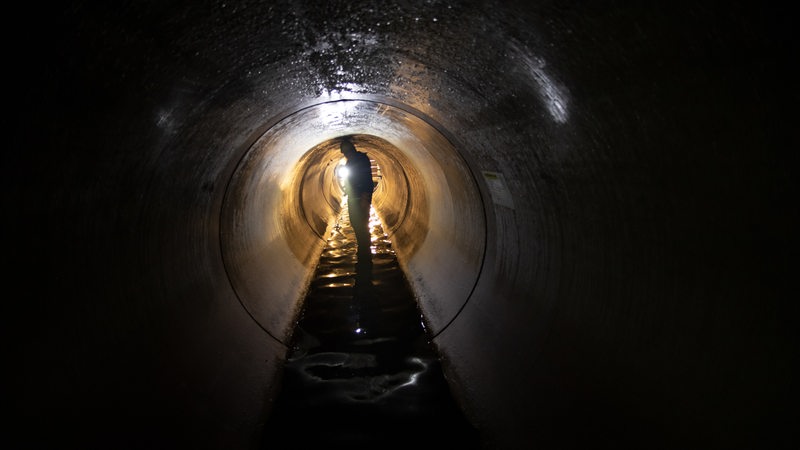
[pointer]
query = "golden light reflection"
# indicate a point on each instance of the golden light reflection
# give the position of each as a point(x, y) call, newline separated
point(342, 238)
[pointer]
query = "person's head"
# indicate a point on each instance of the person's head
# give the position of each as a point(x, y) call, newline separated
point(346, 147)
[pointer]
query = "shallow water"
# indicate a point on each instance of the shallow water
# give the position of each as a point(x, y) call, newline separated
point(361, 370)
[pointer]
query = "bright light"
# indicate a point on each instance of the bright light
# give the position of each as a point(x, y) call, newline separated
point(343, 172)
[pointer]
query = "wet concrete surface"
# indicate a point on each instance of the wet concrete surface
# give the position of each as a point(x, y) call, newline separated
point(361, 369)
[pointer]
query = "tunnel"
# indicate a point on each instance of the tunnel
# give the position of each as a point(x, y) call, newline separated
point(284, 196)
point(594, 203)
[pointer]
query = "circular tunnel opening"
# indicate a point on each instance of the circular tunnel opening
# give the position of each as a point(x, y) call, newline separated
point(283, 198)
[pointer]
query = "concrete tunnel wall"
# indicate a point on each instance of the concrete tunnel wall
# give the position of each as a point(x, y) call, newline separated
point(284, 198)
point(594, 202)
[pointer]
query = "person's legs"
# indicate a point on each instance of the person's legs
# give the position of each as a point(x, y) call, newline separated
point(359, 219)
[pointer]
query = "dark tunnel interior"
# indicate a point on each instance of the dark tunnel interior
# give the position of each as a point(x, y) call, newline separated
point(594, 203)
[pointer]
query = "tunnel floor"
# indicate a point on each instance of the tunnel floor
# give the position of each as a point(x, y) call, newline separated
point(361, 369)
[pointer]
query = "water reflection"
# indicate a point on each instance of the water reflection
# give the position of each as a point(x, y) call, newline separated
point(361, 368)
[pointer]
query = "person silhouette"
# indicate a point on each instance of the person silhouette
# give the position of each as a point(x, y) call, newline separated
point(358, 187)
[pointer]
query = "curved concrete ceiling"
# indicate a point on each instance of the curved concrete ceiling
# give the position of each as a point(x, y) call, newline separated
point(594, 203)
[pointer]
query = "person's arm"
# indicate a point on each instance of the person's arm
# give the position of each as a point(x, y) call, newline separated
point(348, 186)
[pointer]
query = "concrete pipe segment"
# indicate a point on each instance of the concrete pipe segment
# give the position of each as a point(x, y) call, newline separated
point(593, 202)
